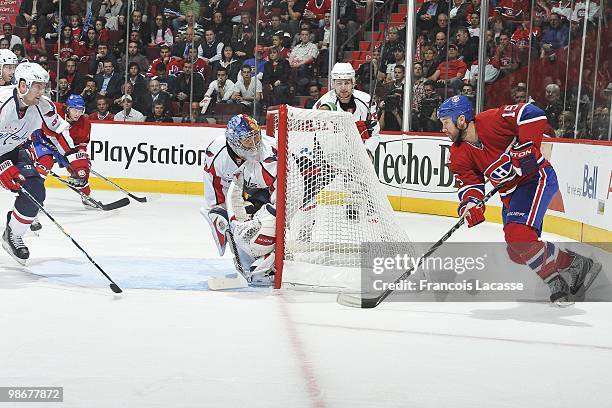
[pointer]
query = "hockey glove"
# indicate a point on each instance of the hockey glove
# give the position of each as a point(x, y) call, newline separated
point(524, 158)
point(365, 128)
point(79, 167)
point(473, 210)
point(10, 178)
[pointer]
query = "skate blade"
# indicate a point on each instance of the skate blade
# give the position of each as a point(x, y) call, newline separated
point(22, 262)
point(562, 304)
point(91, 208)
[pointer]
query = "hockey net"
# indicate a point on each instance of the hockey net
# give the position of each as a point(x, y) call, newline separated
point(329, 201)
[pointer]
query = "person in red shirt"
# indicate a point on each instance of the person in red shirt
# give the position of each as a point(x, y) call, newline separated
point(199, 64)
point(77, 27)
point(46, 155)
point(102, 31)
point(172, 64)
point(512, 11)
point(315, 10)
point(235, 7)
point(69, 48)
point(506, 55)
point(102, 113)
point(450, 72)
point(34, 43)
point(524, 37)
point(503, 146)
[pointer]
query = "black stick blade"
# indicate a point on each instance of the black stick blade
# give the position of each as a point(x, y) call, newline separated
point(139, 199)
point(115, 204)
point(115, 288)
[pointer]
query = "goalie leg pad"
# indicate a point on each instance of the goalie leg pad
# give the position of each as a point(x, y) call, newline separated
point(262, 271)
point(219, 224)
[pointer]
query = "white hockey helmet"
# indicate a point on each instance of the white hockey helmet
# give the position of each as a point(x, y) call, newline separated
point(343, 70)
point(31, 72)
point(7, 57)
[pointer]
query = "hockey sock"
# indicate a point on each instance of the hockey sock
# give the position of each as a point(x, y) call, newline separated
point(525, 247)
point(19, 223)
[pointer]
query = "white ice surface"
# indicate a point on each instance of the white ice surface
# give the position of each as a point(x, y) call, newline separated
point(158, 346)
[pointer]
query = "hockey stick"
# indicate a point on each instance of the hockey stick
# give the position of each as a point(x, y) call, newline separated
point(224, 283)
point(139, 199)
point(239, 281)
point(99, 205)
point(356, 300)
point(113, 285)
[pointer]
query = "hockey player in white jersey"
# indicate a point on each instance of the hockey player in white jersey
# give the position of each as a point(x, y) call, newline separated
point(8, 64)
point(24, 109)
point(344, 97)
point(242, 163)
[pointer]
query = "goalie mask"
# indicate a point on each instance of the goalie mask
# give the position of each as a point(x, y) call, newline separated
point(243, 135)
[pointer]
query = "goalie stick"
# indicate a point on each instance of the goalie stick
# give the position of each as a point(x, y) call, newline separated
point(99, 205)
point(139, 199)
point(224, 283)
point(113, 285)
point(240, 281)
point(359, 301)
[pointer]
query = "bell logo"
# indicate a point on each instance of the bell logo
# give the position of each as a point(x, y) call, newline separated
point(589, 182)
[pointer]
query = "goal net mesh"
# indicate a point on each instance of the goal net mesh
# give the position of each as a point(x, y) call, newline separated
point(333, 201)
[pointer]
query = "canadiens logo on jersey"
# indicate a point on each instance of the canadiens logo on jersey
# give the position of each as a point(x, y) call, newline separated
point(500, 169)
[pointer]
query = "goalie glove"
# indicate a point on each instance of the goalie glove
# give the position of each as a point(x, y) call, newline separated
point(257, 237)
point(219, 224)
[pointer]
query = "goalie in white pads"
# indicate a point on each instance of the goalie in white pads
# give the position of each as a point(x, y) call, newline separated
point(343, 97)
point(240, 195)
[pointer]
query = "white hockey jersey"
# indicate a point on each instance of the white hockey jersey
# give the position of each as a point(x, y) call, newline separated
point(16, 126)
point(362, 111)
point(222, 164)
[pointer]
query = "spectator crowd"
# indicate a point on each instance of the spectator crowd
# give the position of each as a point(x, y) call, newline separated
point(203, 61)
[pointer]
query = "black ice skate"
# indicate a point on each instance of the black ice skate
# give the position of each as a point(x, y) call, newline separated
point(582, 272)
point(559, 291)
point(13, 244)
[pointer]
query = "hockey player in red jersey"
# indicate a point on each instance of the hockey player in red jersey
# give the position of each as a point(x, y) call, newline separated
point(503, 145)
point(47, 155)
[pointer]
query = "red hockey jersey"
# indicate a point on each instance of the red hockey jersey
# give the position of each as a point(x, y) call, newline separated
point(497, 130)
point(79, 130)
